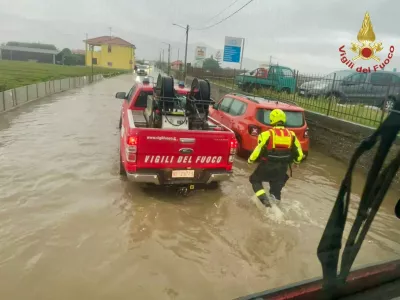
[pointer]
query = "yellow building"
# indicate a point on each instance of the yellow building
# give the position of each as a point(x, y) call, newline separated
point(110, 52)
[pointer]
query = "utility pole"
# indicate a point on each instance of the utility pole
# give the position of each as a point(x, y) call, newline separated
point(270, 60)
point(178, 54)
point(86, 50)
point(92, 60)
point(169, 58)
point(163, 55)
point(186, 47)
point(241, 59)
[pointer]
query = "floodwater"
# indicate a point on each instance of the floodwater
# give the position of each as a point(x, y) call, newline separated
point(70, 228)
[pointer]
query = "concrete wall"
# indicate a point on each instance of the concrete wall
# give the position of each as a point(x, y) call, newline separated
point(65, 84)
point(339, 139)
point(57, 86)
point(12, 98)
point(334, 137)
point(21, 95)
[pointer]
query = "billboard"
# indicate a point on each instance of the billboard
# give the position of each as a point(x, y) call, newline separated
point(200, 52)
point(232, 49)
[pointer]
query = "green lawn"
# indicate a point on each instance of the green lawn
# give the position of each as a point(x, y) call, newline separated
point(361, 114)
point(16, 73)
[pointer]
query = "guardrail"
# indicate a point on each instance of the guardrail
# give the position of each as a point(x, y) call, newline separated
point(12, 98)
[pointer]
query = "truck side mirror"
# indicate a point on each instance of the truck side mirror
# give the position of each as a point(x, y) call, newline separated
point(215, 106)
point(120, 95)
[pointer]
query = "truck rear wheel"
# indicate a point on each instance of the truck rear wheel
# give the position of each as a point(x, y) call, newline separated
point(213, 185)
point(122, 171)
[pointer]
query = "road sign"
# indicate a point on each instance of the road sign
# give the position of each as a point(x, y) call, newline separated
point(200, 53)
point(232, 49)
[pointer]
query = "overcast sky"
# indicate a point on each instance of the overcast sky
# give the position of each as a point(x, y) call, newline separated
point(301, 34)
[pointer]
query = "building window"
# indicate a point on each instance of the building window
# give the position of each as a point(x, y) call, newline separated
point(94, 61)
point(109, 64)
point(109, 48)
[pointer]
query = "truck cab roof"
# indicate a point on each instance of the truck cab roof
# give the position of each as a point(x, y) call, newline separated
point(269, 103)
point(147, 87)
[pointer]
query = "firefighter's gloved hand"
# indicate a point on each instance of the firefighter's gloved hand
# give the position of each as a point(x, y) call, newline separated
point(249, 161)
point(296, 163)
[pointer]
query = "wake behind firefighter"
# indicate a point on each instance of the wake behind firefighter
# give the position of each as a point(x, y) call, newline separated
point(277, 149)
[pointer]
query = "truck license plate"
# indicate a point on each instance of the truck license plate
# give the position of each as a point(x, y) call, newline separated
point(183, 173)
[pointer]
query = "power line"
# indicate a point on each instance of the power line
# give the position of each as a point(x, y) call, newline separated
point(235, 12)
point(224, 10)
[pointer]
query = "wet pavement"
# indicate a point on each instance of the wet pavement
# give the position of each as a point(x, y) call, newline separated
point(71, 228)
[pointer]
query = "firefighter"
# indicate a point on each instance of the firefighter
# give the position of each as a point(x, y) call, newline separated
point(277, 149)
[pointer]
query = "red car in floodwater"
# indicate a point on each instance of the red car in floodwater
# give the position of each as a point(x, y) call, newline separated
point(249, 116)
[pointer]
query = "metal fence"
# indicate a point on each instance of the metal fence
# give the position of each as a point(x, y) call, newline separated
point(352, 99)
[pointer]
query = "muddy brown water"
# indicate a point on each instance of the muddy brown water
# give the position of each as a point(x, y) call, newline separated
point(70, 228)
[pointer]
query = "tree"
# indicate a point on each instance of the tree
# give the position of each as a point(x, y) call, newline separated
point(74, 60)
point(211, 64)
point(60, 57)
point(66, 57)
point(66, 52)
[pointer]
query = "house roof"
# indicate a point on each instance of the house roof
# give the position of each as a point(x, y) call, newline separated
point(78, 51)
point(26, 49)
point(107, 40)
point(177, 63)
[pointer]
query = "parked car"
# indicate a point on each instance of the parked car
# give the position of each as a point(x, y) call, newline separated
point(378, 89)
point(142, 70)
point(279, 78)
point(325, 86)
point(249, 116)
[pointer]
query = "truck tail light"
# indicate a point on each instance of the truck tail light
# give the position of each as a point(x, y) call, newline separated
point(232, 151)
point(233, 146)
point(254, 130)
point(131, 148)
point(306, 133)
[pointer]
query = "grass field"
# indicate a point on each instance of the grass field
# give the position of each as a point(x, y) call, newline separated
point(16, 73)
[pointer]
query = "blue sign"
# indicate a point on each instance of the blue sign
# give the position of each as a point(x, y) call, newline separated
point(232, 49)
point(232, 54)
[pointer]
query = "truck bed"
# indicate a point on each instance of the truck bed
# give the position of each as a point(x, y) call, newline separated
point(140, 121)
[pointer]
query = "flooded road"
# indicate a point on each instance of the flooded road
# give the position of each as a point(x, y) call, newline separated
point(70, 228)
